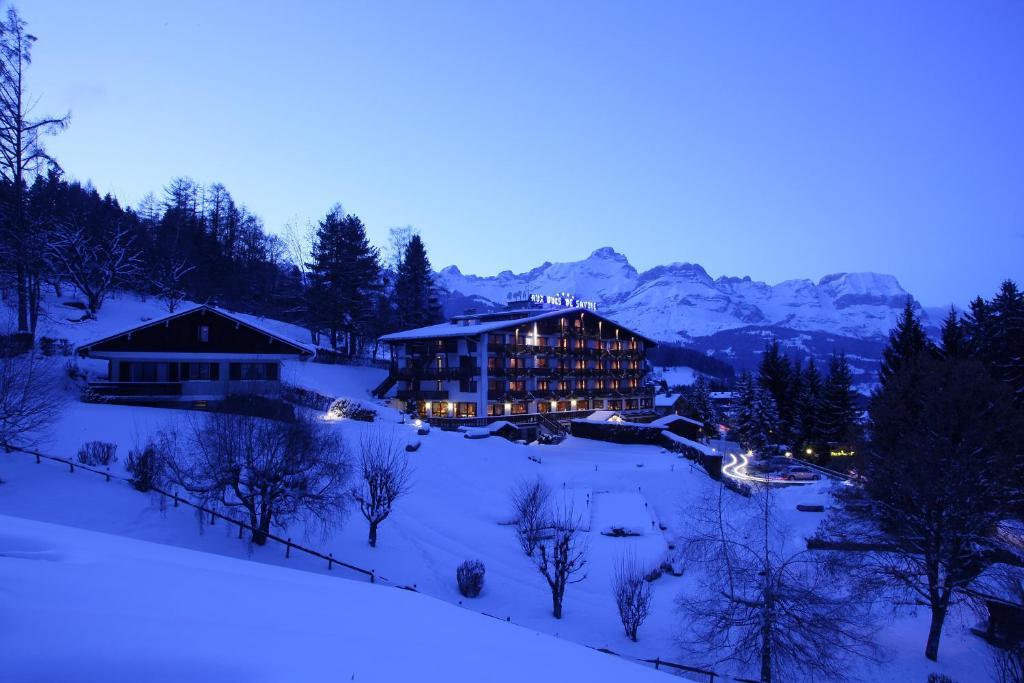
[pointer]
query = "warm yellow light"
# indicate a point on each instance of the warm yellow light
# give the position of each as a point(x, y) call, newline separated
point(808, 451)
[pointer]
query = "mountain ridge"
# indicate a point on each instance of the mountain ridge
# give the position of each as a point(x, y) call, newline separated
point(680, 302)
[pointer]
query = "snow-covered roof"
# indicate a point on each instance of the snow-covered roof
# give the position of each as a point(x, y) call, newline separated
point(600, 416)
point(305, 348)
point(722, 395)
point(463, 326)
point(669, 419)
point(705, 449)
point(666, 400)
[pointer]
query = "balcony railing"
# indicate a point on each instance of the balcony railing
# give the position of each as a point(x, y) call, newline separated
point(421, 395)
point(136, 389)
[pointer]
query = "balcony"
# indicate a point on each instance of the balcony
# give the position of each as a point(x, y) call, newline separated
point(421, 395)
point(136, 390)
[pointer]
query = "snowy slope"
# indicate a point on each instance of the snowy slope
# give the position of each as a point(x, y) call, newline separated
point(681, 302)
point(96, 607)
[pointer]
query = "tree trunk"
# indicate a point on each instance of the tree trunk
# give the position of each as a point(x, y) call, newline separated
point(931, 650)
point(260, 530)
point(556, 604)
point(373, 534)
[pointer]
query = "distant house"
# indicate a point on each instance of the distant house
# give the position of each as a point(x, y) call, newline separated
point(200, 354)
point(668, 404)
point(681, 426)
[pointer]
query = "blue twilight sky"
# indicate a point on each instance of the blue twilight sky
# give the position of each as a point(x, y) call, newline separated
point(777, 140)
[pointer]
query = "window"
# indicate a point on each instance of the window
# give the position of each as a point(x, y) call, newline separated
point(437, 408)
point(518, 385)
point(543, 385)
point(563, 406)
point(253, 372)
point(463, 409)
point(494, 409)
point(519, 408)
point(204, 333)
point(202, 372)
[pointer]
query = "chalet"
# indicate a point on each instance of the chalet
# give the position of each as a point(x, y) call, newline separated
point(524, 361)
point(200, 354)
point(669, 404)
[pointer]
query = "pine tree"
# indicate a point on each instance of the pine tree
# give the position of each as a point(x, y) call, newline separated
point(703, 408)
point(775, 374)
point(417, 302)
point(757, 418)
point(838, 417)
point(807, 427)
point(906, 341)
point(954, 337)
point(344, 275)
point(977, 326)
point(1006, 355)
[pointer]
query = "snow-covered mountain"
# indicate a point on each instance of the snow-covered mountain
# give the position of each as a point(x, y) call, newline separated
point(726, 316)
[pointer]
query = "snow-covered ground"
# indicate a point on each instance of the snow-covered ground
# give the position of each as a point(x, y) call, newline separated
point(85, 606)
point(676, 376)
point(457, 510)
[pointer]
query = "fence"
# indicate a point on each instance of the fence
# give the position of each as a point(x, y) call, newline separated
point(691, 672)
point(289, 545)
point(214, 515)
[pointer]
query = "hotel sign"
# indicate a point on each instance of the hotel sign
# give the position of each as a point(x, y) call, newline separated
point(563, 300)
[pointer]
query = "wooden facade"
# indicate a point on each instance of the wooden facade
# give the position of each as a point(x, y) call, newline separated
point(200, 354)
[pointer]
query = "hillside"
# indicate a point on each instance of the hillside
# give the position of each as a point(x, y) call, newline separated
point(96, 607)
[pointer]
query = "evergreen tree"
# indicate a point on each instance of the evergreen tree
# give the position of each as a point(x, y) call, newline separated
point(838, 417)
point(757, 418)
point(977, 326)
point(1006, 353)
point(807, 426)
point(954, 337)
point(906, 341)
point(344, 276)
point(775, 374)
point(417, 302)
point(703, 408)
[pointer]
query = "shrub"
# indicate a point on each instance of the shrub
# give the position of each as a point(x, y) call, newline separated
point(352, 410)
point(145, 468)
point(97, 453)
point(51, 346)
point(255, 406)
point(470, 576)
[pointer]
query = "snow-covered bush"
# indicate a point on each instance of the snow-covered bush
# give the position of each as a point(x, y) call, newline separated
point(352, 410)
point(470, 576)
point(145, 467)
point(97, 453)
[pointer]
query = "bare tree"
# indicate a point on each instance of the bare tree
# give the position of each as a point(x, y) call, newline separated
point(530, 501)
point(21, 156)
point(30, 399)
point(789, 612)
point(275, 471)
point(632, 592)
point(562, 554)
point(95, 263)
point(168, 281)
point(384, 477)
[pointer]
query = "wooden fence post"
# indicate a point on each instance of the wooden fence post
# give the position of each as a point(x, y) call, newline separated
point(38, 461)
point(330, 561)
point(108, 474)
point(657, 662)
point(373, 576)
point(72, 466)
point(288, 549)
point(239, 530)
point(213, 517)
